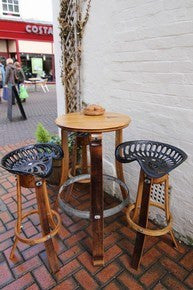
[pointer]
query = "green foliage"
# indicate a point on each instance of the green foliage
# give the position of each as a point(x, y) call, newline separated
point(55, 139)
point(42, 135)
point(25, 69)
point(71, 137)
point(190, 241)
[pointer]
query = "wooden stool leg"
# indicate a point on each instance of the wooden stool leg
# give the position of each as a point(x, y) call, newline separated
point(119, 165)
point(139, 197)
point(65, 160)
point(47, 204)
point(167, 211)
point(19, 215)
point(97, 202)
point(44, 221)
point(143, 220)
point(68, 193)
point(74, 158)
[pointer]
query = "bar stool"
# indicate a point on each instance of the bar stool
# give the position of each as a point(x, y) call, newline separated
point(156, 160)
point(32, 164)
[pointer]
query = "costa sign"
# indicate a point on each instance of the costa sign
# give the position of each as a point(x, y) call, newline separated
point(46, 30)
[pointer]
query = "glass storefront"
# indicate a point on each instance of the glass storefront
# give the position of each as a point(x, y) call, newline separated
point(47, 65)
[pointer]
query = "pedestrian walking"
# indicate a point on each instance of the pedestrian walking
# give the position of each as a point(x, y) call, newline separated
point(10, 82)
point(2, 78)
point(19, 74)
point(10, 78)
point(19, 77)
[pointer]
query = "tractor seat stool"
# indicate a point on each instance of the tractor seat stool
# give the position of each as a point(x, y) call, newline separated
point(156, 160)
point(32, 164)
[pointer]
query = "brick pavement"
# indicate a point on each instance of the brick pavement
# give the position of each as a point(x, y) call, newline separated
point(162, 267)
point(39, 107)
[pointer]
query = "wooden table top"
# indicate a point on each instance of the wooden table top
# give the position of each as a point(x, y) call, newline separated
point(78, 122)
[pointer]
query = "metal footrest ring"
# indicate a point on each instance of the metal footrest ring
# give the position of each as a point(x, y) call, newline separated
point(86, 214)
point(79, 181)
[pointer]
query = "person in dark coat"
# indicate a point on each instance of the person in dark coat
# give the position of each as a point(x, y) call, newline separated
point(10, 77)
point(19, 74)
point(10, 82)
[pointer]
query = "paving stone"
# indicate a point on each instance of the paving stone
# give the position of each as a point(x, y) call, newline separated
point(187, 261)
point(108, 273)
point(129, 282)
point(172, 283)
point(20, 283)
point(85, 280)
point(5, 275)
point(43, 278)
point(152, 275)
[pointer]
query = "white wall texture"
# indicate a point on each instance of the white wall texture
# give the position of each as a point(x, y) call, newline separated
point(138, 60)
point(57, 54)
point(36, 10)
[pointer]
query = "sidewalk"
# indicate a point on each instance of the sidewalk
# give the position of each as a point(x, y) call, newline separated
point(39, 107)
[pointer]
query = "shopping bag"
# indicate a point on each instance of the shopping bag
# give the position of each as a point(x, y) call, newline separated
point(23, 94)
point(6, 93)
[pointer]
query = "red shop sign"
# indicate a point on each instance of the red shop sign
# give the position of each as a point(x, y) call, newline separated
point(25, 31)
point(39, 29)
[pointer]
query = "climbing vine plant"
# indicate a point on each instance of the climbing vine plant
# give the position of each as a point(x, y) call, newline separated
point(73, 17)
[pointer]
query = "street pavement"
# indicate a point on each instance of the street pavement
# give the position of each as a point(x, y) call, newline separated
point(39, 107)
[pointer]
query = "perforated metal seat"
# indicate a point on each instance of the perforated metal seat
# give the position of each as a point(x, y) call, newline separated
point(33, 160)
point(156, 160)
point(32, 164)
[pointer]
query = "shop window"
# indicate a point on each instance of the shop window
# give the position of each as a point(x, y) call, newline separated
point(47, 61)
point(10, 7)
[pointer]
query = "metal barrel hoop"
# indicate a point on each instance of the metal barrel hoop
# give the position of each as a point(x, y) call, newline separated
point(86, 214)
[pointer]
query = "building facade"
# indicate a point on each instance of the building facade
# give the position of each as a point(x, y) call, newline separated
point(27, 37)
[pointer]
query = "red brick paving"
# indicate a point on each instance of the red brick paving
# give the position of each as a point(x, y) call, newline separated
point(43, 277)
point(85, 280)
point(20, 283)
point(162, 267)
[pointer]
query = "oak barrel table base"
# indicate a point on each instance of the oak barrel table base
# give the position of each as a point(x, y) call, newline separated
point(95, 126)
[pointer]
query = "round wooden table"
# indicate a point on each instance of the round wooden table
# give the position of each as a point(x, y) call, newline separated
point(95, 125)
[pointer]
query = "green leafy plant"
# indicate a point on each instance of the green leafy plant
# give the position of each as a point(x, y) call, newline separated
point(42, 134)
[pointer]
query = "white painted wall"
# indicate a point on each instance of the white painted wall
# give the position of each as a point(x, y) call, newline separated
point(138, 60)
point(57, 53)
point(36, 10)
